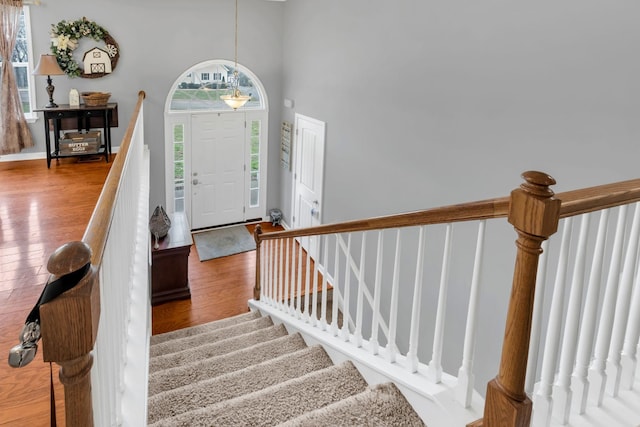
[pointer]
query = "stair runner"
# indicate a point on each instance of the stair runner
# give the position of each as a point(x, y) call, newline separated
point(246, 371)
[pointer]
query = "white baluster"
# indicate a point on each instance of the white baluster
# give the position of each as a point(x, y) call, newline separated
point(274, 272)
point(264, 259)
point(307, 286)
point(336, 289)
point(562, 392)
point(536, 319)
point(628, 360)
point(299, 272)
point(375, 322)
point(464, 387)
point(279, 274)
point(579, 382)
point(435, 365)
point(412, 355)
point(543, 400)
point(267, 271)
point(346, 316)
point(323, 302)
point(393, 310)
point(621, 315)
point(269, 261)
point(360, 300)
point(314, 291)
point(597, 374)
point(288, 292)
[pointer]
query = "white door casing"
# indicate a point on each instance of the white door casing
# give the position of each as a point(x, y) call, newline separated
point(179, 150)
point(217, 169)
point(308, 177)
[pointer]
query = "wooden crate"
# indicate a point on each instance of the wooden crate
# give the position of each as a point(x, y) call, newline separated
point(80, 143)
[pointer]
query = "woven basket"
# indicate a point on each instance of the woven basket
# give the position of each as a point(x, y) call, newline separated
point(95, 99)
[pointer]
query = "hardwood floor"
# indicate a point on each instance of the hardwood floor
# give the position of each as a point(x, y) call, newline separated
point(41, 209)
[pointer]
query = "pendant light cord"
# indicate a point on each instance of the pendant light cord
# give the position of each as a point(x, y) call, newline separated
point(236, 38)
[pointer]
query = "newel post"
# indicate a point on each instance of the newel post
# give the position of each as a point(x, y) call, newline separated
point(534, 213)
point(69, 325)
point(256, 235)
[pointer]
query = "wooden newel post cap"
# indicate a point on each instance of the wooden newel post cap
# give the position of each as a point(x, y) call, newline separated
point(68, 258)
point(257, 232)
point(538, 183)
point(532, 208)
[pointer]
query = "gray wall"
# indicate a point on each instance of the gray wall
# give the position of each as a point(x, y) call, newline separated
point(479, 92)
point(482, 92)
point(159, 40)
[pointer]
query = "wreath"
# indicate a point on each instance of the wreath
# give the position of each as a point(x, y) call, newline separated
point(64, 40)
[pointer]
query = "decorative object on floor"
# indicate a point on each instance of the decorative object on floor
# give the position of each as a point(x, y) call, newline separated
point(159, 224)
point(48, 66)
point(222, 242)
point(95, 99)
point(276, 216)
point(97, 61)
point(236, 99)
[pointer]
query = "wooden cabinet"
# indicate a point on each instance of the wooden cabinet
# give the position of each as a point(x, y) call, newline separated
point(170, 262)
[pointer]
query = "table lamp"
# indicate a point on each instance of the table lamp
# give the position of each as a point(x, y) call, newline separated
point(48, 66)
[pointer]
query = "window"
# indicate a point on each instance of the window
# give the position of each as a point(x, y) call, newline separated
point(21, 62)
point(204, 95)
point(254, 185)
point(178, 167)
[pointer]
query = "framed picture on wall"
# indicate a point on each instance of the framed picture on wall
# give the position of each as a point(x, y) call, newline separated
point(285, 145)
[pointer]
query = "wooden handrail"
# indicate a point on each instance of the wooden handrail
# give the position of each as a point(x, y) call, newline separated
point(574, 202)
point(98, 228)
point(606, 196)
point(69, 323)
point(485, 209)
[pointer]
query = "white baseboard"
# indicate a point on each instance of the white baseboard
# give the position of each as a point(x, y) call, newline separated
point(40, 155)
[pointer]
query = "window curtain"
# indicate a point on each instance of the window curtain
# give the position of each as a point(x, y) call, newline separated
point(14, 130)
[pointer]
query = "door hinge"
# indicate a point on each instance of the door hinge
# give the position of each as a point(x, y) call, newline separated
point(245, 124)
point(244, 167)
point(244, 209)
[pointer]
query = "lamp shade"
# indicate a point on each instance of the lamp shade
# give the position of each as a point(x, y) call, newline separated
point(48, 66)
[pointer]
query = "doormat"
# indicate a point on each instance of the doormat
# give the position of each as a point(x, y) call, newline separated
point(222, 242)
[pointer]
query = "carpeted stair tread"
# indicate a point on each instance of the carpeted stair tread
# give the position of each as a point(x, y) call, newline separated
point(278, 403)
point(207, 327)
point(217, 348)
point(382, 405)
point(180, 376)
point(204, 393)
point(180, 344)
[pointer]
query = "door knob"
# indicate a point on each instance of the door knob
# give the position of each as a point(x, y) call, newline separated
point(195, 181)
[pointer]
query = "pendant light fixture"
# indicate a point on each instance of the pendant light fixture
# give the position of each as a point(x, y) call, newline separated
point(236, 99)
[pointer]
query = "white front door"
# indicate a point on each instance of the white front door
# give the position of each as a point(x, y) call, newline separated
point(217, 169)
point(308, 175)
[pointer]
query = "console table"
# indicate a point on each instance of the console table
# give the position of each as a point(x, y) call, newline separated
point(170, 262)
point(82, 117)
